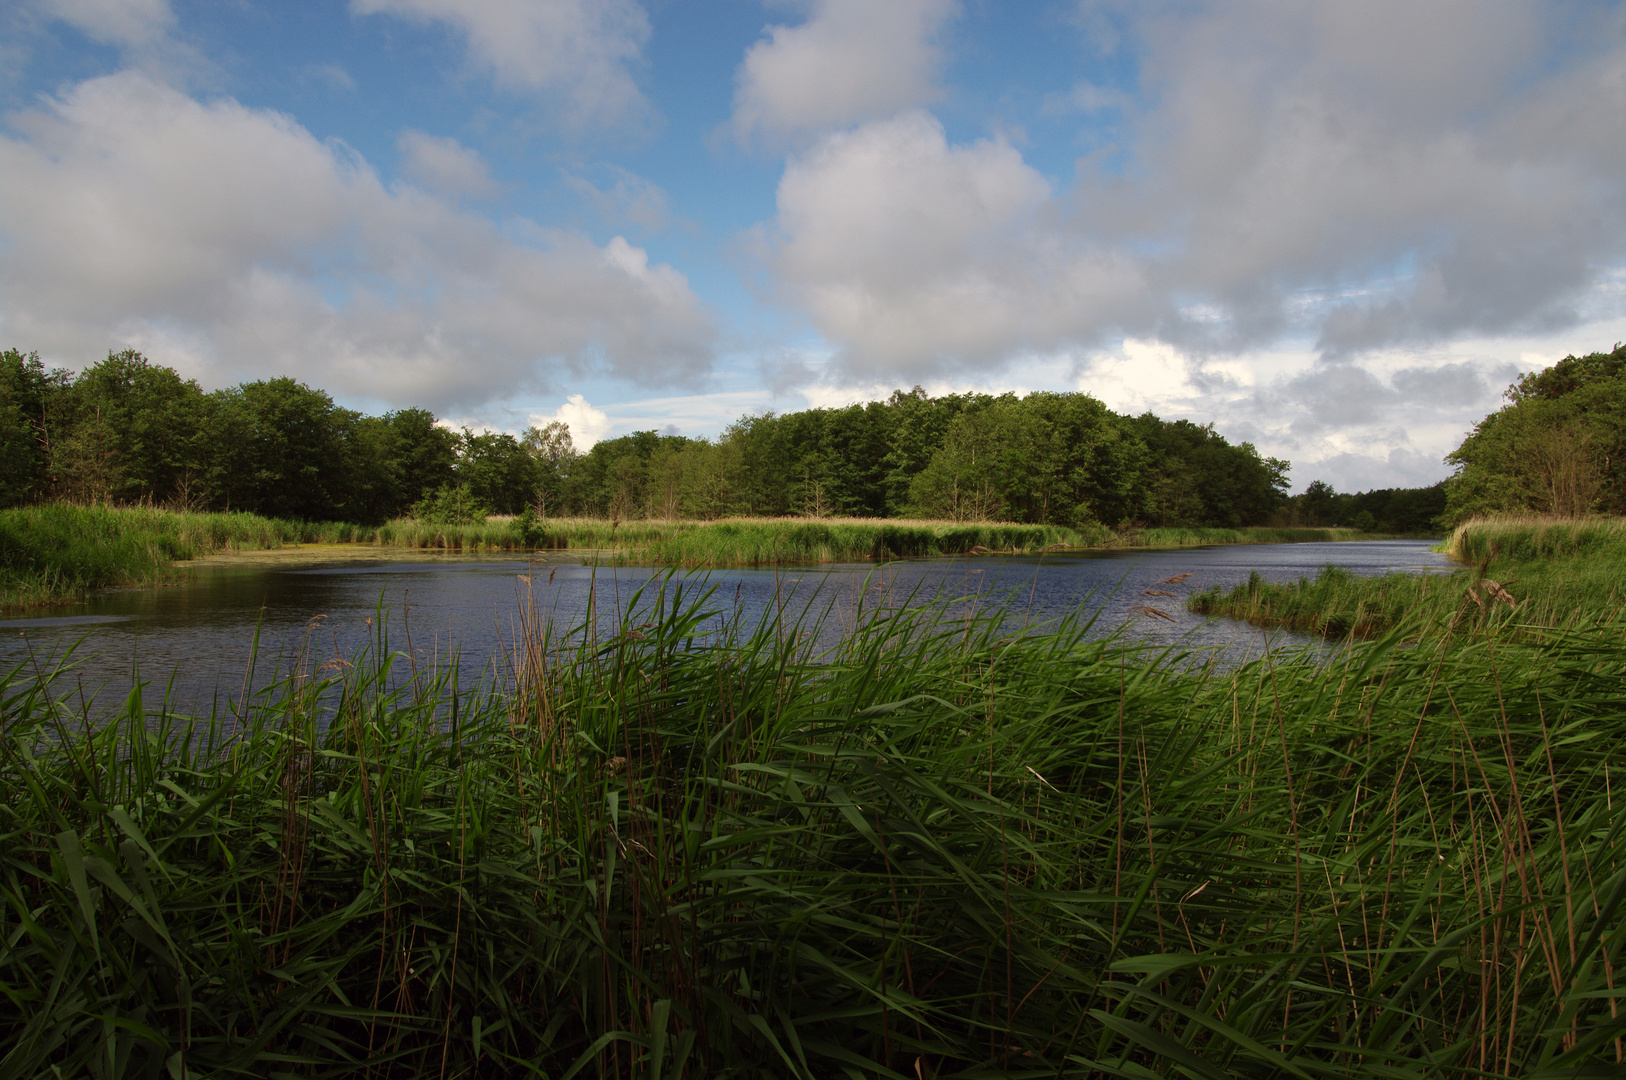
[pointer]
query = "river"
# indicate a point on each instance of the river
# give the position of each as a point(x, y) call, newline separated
point(313, 603)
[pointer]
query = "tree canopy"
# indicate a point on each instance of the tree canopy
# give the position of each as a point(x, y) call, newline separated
point(129, 430)
point(1557, 447)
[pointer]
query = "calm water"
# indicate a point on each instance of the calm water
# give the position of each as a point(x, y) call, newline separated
point(198, 636)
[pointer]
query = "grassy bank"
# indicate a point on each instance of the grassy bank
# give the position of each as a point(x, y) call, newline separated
point(764, 541)
point(1534, 572)
point(1202, 537)
point(942, 852)
point(55, 552)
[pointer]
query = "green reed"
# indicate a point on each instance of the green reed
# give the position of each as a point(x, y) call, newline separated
point(950, 846)
point(56, 551)
point(1531, 572)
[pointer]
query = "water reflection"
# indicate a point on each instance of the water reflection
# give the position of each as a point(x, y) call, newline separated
point(197, 638)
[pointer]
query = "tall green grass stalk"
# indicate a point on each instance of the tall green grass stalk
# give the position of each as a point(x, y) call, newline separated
point(681, 848)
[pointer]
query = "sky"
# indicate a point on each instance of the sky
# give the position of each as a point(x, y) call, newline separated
point(1336, 230)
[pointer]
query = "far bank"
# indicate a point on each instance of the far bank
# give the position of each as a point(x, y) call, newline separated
point(57, 552)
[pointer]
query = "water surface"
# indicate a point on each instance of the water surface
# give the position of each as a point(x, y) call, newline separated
point(311, 605)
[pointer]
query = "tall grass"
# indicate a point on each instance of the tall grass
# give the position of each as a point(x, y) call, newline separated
point(1198, 536)
point(1536, 572)
point(679, 849)
point(767, 541)
point(1531, 538)
point(56, 551)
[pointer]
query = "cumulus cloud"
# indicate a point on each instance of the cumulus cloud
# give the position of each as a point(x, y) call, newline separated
point(917, 256)
point(852, 60)
point(580, 52)
point(230, 242)
point(587, 425)
point(1357, 175)
point(444, 165)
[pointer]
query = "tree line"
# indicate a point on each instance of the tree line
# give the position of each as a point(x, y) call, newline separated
point(127, 430)
point(1557, 447)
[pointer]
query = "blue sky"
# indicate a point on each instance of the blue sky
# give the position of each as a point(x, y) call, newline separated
point(1336, 230)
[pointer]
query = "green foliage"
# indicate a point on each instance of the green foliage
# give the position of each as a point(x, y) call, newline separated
point(1545, 573)
point(451, 504)
point(127, 430)
point(280, 450)
point(1393, 511)
point(132, 429)
point(940, 850)
point(56, 552)
point(27, 393)
point(1557, 447)
point(498, 472)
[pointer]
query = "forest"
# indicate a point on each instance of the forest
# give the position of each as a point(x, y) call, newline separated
point(129, 431)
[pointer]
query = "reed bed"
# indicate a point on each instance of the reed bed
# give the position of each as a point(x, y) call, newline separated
point(1535, 572)
point(56, 552)
point(770, 541)
point(1201, 537)
point(684, 848)
point(1532, 538)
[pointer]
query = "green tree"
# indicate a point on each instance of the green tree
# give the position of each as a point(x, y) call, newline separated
point(425, 454)
point(30, 399)
point(279, 449)
point(555, 453)
point(1557, 447)
point(135, 432)
point(498, 471)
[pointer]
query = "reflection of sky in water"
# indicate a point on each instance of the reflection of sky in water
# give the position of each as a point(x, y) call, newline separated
point(202, 633)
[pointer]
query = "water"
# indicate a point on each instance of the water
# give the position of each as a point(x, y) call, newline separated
point(312, 605)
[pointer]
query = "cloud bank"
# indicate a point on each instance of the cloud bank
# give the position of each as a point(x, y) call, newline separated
point(1359, 176)
point(231, 242)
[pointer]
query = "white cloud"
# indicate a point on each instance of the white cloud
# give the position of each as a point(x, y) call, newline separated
point(916, 256)
point(851, 60)
point(127, 23)
point(587, 425)
point(444, 165)
point(230, 242)
point(578, 51)
point(1346, 182)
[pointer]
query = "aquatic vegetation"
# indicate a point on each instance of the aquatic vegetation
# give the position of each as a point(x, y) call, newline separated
point(1531, 571)
point(57, 551)
point(686, 848)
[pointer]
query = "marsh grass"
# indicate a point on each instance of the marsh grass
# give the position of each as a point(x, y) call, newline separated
point(56, 551)
point(685, 848)
point(1535, 572)
point(1531, 538)
point(1198, 536)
